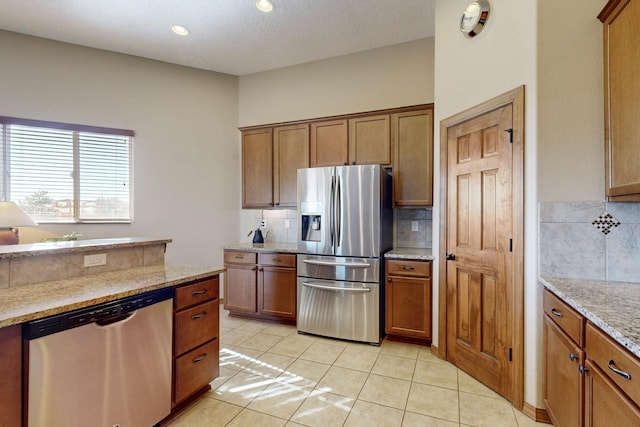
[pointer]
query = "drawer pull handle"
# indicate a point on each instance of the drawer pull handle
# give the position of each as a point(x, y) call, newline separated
point(200, 292)
point(199, 358)
point(407, 268)
point(623, 374)
point(555, 312)
point(198, 316)
point(277, 260)
point(239, 257)
point(572, 356)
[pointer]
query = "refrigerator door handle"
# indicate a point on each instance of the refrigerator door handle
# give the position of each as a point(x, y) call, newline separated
point(337, 264)
point(338, 213)
point(332, 219)
point(335, 288)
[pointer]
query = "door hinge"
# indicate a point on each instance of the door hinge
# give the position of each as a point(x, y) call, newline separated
point(510, 131)
point(510, 354)
point(510, 245)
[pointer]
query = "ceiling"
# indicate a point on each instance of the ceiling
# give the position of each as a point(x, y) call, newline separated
point(227, 36)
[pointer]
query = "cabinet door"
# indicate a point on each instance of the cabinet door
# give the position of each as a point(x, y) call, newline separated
point(240, 290)
point(408, 311)
point(291, 152)
point(606, 405)
point(370, 140)
point(277, 291)
point(329, 143)
point(563, 385)
point(257, 168)
point(622, 109)
point(412, 139)
point(11, 374)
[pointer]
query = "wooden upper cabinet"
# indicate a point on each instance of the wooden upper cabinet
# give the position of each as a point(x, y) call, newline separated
point(622, 107)
point(370, 140)
point(291, 152)
point(412, 139)
point(329, 143)
point(257, 168)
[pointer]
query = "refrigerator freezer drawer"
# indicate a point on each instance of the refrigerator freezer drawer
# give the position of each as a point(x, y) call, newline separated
point(339, 268)
point(343, 310)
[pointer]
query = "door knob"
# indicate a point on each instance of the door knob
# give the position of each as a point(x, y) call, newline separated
point(450, 257)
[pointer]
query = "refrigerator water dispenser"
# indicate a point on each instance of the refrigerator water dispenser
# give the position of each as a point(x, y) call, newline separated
point(312, 228)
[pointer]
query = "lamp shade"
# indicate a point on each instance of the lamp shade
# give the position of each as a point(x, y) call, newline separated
point(12, 215)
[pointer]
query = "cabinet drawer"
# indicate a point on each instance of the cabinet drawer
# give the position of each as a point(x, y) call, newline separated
point(564, 316)
point(409, 268)
point(196, 369)
point(237, 257)
point(195, 326)
point(196, 293)
point(609, 355)
point(281, 260)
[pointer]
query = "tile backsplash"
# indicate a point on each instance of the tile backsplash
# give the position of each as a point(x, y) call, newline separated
point(282, 226)
point(590, 240)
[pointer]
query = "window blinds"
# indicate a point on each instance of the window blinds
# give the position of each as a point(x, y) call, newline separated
point(67, 173)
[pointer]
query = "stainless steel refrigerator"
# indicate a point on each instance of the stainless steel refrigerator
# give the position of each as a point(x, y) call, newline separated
point(346, 225)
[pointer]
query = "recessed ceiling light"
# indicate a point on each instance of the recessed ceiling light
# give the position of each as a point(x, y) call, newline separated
point(264, 5)
point(180, 30)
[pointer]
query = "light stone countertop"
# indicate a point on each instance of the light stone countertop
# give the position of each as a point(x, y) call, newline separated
point(612, 306)
point(411, 253)
point(29, 302)
point(69, 246)
point(264, 247)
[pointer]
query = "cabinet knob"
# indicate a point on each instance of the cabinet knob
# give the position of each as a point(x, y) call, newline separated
point(572, 356)
point(261, 269)
point(389, 279)
point(582, 369)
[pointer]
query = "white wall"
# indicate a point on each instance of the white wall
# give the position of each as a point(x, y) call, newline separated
point(388, 77)
point(186, 151)
point(555, 50)
point(571, 101)
point(471, 71)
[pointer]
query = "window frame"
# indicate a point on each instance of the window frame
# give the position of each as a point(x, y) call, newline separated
point(75, 128)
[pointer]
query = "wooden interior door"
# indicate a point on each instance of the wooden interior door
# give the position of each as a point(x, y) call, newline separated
point(479, 257)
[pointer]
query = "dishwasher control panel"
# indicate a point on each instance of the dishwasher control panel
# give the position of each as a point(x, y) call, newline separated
point(104, 312)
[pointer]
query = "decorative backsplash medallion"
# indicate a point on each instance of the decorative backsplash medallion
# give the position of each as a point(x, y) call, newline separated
point(605, 223)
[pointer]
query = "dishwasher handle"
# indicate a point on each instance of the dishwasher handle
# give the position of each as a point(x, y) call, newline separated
point(115, 319)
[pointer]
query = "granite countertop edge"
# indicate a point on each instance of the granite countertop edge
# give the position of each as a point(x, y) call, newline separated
point(70, 246)
point(399, 252)
point(410, 253)
point(609, 305)
point(30, 302)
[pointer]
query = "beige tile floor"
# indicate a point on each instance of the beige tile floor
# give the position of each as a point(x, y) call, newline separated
point(272, 376)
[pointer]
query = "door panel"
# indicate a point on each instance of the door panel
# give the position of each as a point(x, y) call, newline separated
point(479, 231)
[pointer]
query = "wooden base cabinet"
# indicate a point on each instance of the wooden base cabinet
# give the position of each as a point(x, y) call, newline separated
point(408, 300)
point(589, 379)
point(261, 285)
point(196, 339)
point(606, 405)
point(11, 376)
point(562, 383)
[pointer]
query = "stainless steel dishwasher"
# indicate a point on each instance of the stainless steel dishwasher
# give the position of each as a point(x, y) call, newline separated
point(103, 366)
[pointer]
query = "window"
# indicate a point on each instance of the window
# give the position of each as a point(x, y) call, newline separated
point(59, 172)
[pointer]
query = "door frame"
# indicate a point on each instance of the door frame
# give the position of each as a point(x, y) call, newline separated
point(515, 97)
